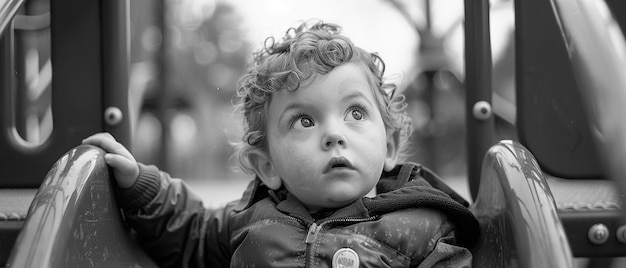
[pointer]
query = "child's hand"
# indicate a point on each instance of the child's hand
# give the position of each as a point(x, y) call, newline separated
point(125, 168)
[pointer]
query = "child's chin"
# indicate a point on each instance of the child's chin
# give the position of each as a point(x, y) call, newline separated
point(343, 189)
point(344, 199)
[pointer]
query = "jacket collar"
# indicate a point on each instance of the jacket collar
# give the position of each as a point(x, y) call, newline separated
point(293, 207)
point(400, 182)
point(408, 185)
point(389, 181)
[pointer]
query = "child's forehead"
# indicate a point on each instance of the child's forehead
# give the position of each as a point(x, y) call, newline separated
point(356, 68)
point(344, 82)
point(343, 75)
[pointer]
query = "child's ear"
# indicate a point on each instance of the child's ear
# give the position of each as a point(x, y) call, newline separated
point(393, 144)
point(263, 168)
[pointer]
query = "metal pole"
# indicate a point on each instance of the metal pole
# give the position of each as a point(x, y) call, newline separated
point(478, 68)
point(116, 66)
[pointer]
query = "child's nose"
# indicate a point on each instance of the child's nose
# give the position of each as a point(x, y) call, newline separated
point(333, 139)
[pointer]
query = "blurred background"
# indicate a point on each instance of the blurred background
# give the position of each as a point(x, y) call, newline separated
point(186, 58)
point(188, 55)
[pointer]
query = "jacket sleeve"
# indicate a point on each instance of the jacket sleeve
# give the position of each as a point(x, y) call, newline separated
point(172, 224)
point(446, 252)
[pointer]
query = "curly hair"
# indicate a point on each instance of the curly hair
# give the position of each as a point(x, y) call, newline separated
point(313, 48)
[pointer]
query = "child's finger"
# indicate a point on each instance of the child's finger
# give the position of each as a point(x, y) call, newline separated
point(107, 142)
point(103, 140)
point(126, 170)
point(99, 138)
point(119, 162)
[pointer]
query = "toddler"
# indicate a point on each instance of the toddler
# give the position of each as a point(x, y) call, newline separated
point(322, 130)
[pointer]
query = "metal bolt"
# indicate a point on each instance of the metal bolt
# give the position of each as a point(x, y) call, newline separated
point(113, 116)
point(621, 234)
point(598, 234)
point(481, 110)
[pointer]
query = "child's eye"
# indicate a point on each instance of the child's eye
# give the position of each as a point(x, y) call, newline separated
point(306, 122)
point(302, 122)
point(355, 113)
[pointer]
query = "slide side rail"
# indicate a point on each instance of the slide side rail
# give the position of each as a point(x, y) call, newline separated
point(517, 213)
point(74, 221)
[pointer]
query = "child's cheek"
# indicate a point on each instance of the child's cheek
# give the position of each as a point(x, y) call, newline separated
point(373, 148)
point(295, 158)
point(294, 153)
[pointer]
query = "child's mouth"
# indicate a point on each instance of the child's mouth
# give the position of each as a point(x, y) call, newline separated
point(336, 163)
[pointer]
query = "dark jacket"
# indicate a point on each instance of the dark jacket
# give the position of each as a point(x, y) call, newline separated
point(414, 225)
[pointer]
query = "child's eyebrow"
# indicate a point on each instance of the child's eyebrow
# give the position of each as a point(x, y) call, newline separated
point(292, 106)
point(356, 95)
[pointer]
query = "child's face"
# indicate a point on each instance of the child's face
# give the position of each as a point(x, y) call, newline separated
point(327, 140)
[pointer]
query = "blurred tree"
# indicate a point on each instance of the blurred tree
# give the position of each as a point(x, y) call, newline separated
point(202, 56)
point(435, 97)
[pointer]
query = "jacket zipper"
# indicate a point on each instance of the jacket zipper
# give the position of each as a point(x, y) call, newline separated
point(314, 230)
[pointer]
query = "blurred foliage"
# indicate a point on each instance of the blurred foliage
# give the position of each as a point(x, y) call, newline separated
point(192, 58)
